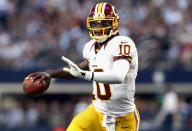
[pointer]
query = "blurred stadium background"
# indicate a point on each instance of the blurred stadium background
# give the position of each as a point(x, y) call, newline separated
point(34, 34)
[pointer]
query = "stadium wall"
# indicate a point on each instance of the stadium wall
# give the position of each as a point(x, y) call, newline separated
point(86, 88)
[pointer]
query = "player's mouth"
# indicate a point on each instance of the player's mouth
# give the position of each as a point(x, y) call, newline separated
point(98, 32)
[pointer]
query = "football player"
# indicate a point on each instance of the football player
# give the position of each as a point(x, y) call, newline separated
point(111, 63)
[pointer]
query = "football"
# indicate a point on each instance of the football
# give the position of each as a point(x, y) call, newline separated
point(35, 88)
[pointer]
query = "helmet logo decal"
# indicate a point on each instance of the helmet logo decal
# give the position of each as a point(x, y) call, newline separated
point(99, 9)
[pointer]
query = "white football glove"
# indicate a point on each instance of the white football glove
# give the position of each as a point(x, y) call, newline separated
point(76, 71)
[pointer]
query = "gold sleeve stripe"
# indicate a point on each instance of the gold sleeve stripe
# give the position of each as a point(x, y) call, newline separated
point(99, 9)
point(98, 70)
point(129, 58)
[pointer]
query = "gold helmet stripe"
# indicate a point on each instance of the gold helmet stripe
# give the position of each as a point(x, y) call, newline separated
point(99, 9)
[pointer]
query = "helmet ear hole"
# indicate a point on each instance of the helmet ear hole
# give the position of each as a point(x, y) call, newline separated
point(115, 24)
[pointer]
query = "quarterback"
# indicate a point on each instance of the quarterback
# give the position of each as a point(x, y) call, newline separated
point(111, 63)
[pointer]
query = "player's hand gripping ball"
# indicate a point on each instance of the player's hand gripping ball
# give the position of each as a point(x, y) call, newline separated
point(36, 84)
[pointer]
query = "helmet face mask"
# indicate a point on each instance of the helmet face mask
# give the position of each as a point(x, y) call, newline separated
point(100, 27)
point(102, 24)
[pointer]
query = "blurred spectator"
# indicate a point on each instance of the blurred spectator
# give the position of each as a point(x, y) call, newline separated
point(42, 108)
point(32, 114)
point(183, 118)
point(172, 14)
point(59, 129)
point(55, 114)
point(81, 105)
point(159, 27)
point(165, 119)
point(56, 119)
point(67, 109)
point(14, 113)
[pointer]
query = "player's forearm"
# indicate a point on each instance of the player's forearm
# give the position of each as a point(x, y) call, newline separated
point(108, 77)
point(59, 73)
point(115, 76)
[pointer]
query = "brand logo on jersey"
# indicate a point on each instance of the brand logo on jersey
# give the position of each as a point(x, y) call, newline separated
point(94, 65)
point(123, 42)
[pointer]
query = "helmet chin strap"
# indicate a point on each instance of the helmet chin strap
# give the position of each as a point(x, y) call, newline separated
point(117, 31)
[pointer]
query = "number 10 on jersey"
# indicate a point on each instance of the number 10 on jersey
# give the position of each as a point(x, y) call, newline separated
point(100, 90)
